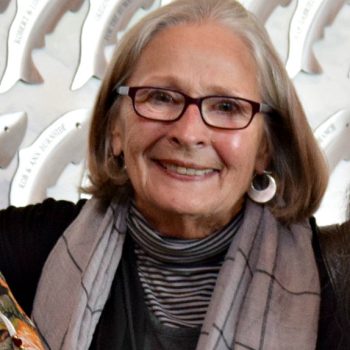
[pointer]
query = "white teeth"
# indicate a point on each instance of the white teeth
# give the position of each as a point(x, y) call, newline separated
point(188, 171)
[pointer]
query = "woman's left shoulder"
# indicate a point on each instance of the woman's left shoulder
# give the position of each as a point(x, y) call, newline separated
point(334, 241)
point(332, 252)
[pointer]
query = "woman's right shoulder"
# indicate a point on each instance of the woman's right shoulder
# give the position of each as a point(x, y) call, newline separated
point(52, 216)
point(27, 236)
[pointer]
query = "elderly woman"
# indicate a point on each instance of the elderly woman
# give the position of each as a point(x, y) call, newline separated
point(204, 175)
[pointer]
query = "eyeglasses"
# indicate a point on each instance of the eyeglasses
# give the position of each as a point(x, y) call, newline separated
point(165, 105)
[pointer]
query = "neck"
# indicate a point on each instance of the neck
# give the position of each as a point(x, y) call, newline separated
point(188, 226)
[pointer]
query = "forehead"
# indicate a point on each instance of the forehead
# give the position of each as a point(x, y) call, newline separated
point(197, 56)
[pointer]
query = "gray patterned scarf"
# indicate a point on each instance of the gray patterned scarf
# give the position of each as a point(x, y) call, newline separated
point(266, 297)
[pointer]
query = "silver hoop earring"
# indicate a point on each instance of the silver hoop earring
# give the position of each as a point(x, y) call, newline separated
point(265, 194)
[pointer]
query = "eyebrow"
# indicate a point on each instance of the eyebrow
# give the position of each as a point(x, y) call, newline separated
point(174, 83)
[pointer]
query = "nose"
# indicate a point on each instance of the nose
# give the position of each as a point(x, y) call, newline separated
point(189, 130)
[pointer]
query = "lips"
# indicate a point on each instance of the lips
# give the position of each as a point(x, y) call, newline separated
point(186, 170)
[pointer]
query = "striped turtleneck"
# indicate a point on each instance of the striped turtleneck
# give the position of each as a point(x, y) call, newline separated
point(178, 276)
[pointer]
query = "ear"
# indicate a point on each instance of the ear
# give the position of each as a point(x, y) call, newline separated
point(116, 140)
point(263, 157)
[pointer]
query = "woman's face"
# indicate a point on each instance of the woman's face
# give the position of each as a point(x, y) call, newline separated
point(199, 60)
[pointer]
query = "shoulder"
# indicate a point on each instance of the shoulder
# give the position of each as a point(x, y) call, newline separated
point(49, 208)
point(334, 241)
point(27, 235)
point(51, 216)
point(34, 227)
point(332, 252)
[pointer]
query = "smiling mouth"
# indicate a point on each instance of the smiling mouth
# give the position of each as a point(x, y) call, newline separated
point(181, 170)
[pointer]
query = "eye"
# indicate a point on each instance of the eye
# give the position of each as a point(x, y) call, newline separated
point(160, 97)
point(225, 106)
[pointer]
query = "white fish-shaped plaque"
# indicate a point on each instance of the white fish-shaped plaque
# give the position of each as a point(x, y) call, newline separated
point(104, 19)
point(12, 129)
point(333, 136)
point(33, 19)
point(307, 26)
point(63, 142)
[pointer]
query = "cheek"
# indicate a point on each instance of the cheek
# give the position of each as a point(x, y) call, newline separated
point(239, 150)
point(132, 144)
point(139, 136)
